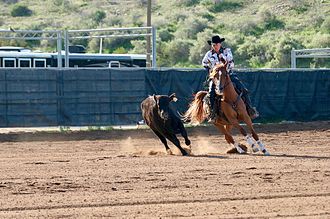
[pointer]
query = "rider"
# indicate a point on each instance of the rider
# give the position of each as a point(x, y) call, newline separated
point(213, 57)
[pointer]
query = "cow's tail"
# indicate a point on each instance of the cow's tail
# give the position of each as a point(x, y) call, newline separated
point(196, 112)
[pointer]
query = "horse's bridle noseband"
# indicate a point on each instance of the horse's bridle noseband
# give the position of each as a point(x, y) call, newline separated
point(227, 82)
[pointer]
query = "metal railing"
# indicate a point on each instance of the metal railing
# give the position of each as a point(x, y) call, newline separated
point(101, 34)
point(68, 35)
point(308, 53)
point(52, 35)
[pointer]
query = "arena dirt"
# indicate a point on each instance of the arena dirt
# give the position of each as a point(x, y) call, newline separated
point(127, 174)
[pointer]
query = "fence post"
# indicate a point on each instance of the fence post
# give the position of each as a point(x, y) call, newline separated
point(293, 58)
point(59, 49)
point(154, 64)
point(66, 45)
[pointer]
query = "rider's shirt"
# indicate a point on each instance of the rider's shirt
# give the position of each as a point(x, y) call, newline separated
point(211, 58)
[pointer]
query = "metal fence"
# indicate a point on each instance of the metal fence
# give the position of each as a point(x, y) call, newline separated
point(67, 36)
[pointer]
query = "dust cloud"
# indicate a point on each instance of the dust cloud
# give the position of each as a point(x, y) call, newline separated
point(202, 146)
point(131, 147)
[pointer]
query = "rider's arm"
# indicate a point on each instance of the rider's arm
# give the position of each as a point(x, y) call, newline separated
point(206, 61)
point(229, 57)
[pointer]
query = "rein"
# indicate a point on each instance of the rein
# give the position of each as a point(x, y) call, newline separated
point(226, 84)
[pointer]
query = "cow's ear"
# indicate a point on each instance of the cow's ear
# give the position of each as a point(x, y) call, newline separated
point(173, 97)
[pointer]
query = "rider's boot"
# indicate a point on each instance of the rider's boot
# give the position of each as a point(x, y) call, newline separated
point(211, 96)
point(212, 114)
point(253, 113)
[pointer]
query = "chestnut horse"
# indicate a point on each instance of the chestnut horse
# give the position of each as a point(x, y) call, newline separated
point(233, 111)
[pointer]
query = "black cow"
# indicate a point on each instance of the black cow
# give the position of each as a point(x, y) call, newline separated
point(163, 121)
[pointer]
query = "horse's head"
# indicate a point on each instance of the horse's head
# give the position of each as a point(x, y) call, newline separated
point(219, 74)
point(162, 103)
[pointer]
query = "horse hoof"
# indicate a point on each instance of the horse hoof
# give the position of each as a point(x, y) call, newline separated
point(255, 148)
point(240, 150)
point(188, 142)
point(266, 153)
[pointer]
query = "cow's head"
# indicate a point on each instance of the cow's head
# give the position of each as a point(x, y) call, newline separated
point(162, 104)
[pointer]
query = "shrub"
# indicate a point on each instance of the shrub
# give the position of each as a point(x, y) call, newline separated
point(114, 21)
point(226, 5)
point(325, 27)
point(320, 41)
point(139, 47)
point(114, 43)
point(177, 51)
point(271, 22)
point(120, 50)
point(187, 3)
point(189, 28)
point(20, 11)
point(200, 47)
point(98, 16)
point(165, 35)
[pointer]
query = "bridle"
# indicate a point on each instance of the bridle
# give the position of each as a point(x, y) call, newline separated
point(222, 87)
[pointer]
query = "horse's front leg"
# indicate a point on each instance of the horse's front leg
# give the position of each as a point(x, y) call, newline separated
point(229, 138)
point(250, 141)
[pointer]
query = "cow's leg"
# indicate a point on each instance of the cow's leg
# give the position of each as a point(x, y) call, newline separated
point(176, 142)
point(184, 134)
point(163, 140)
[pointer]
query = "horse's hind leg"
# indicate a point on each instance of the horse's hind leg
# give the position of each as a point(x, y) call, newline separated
point(229, 138)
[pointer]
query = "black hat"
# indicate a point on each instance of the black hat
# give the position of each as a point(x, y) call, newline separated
point(216, 39)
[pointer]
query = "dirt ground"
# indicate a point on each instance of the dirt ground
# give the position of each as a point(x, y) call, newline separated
point(126, 174)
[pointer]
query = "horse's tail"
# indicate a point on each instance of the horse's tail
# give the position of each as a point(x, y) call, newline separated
point(196, 113)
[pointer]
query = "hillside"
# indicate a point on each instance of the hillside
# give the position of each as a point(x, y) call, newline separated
point(261, 33)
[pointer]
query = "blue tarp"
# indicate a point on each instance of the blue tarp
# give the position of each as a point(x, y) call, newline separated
point(91, 97)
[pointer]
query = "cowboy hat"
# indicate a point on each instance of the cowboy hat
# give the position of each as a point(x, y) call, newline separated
point(216, 39)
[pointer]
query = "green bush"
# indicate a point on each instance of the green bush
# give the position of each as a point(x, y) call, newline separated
point(98, 16)
point(189, 28)
point(187, 3)
point(20, 11)
point(320, 41)
point(226, 5)
point(139, 47)
point(165, 35)
point(325, 27)
point(271, 22)
point(200, 47)
point(177, 51)
point(114, 43)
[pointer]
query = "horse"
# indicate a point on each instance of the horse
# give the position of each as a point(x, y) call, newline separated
point(233, 111)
